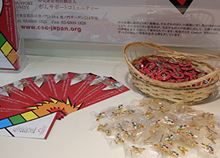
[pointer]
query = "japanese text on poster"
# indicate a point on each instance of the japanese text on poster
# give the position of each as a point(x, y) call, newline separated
point(173, 22)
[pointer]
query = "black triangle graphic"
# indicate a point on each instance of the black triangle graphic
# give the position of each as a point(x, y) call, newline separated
point(181, 8)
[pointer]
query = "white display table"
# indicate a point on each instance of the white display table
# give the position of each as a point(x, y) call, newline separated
point(71, 137)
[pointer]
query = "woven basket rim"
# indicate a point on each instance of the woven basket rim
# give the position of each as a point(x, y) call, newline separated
point(215, 72)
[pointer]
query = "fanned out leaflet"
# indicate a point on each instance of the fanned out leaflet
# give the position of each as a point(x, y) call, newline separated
point(30, 103)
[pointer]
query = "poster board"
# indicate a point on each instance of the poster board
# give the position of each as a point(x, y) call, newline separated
point(12, 56)
point(9, 43)
point(192, 23)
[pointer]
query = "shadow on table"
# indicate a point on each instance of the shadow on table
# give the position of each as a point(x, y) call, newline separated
point(129, 82)
point(214, 96)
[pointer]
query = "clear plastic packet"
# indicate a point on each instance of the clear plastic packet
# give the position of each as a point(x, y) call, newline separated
point(116, 141)
point(180, 108)
point(117, 112)
point(155, 104)
point(212, 134)
point(135, 151)
point(132, 128)
point(169, 146)
point(100, 118)
point(132, 109)
point(163, 130)
point(207, 150)
point(189, 142)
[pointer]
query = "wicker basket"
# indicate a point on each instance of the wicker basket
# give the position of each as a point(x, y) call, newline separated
point(185, 92)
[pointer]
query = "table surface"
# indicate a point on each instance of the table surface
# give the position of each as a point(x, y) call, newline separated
point(71, 136)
